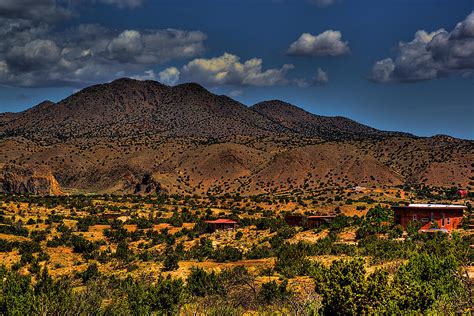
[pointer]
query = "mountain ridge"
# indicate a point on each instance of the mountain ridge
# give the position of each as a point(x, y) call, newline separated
point(129, 134)
point(151, 105)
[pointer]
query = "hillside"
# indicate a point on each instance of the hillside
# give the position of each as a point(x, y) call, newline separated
point(132, 136)
point(308, 124)
point(129, 107)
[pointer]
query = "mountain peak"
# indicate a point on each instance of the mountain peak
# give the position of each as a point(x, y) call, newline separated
point(274, 106)
point(127, 107)
point(308, 124)
point(191, 86)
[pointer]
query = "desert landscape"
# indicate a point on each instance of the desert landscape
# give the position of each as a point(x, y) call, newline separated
point(132, 136)
point(102, 199)
point(303, 157)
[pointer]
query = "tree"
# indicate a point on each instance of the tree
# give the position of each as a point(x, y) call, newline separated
point(171, 261)
point(202, 283)
point(346, 290)
point(122, 251)
point(292, 260)
point(91, 273)
point(272, 292)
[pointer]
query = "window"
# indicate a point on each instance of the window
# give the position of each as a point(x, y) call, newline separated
point(425, 220)
point(448, 221)
point(414, 217)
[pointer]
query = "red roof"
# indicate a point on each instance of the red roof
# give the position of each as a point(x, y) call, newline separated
point(431, 207)
point(221, 221)
point(463, 193)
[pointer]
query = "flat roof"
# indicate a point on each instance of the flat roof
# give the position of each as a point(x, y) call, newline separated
point(221, 221)
point(412, 205)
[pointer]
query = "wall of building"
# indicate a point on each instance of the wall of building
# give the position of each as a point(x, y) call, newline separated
point(445, 218)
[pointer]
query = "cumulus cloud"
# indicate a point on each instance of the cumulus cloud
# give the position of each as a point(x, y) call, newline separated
point(33, 52)
point(228, 70)
point(321, 77)
point(328, 43)
point(169, 76)
point(147, 75)
point(34, 55)
point(430, 56)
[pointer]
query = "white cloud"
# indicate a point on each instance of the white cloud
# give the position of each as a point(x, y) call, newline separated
point(127, 44)
point(169, 76)
point(302, 82)
point(382, 70)
point(328, 43)
point(228, 70)
point(147, 75)
point(430, 56)
point(321, 77)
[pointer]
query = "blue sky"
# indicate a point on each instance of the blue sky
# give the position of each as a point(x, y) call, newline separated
point(372, 67)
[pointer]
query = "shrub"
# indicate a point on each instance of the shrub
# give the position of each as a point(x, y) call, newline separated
point(396, 232)
point(292, 260)
point(202, 283)
point(227, 254)
point(171, 261)
point(91, 273)
point(272, 292)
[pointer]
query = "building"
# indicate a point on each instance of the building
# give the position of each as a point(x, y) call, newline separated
point(432, 217)
point(463, 193)
point(307, 221)
point(220, 224)
point(316, 221)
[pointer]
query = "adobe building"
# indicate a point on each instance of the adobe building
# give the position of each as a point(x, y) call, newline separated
point(432, 217)
point(307, 221)
point(220, 224)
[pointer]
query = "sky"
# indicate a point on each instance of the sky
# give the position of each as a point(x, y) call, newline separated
point(404, 65)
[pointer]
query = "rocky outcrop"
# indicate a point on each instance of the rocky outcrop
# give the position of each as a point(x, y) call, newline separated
point(23, 180)
point(137, 182)
point(148, 185)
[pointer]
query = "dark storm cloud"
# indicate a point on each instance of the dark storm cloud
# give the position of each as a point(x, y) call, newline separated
point(430, 56)
point(33, 9)
point(37, 57)
point(33, 52)
point(50, 10)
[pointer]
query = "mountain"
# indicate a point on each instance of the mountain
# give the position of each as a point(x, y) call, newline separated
point(142, 137)
point(308, 124)
point(127, 107)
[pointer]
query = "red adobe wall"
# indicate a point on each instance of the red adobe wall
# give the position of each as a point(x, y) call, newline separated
point(452, 217)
